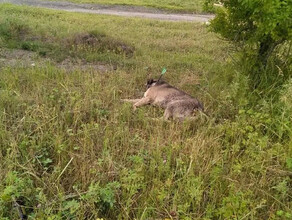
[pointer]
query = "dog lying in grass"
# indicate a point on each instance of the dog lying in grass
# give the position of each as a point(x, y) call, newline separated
point(177, 104)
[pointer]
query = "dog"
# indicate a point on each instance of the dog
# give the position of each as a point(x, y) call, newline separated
point(177, 104)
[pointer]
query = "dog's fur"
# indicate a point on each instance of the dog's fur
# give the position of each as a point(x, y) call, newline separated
point(177, 104)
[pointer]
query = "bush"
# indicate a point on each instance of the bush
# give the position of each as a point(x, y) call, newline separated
point(261, 30)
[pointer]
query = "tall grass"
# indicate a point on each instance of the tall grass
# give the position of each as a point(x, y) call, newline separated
point(70, 149)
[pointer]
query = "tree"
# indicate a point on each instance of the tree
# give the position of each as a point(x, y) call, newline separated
point(257, 27)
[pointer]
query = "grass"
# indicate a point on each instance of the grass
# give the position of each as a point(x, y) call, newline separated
point(70, 149)
point(175, 5)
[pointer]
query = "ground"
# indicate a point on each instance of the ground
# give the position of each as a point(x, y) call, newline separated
point(70, 149)
point(178, 5)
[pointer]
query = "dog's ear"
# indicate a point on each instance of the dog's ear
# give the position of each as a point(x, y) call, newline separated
point(150, 81)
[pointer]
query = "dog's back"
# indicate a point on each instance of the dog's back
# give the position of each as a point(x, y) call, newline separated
point(162, 94)
point(176, 102)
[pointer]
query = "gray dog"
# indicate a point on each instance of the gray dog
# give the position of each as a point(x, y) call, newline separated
point(177, 104)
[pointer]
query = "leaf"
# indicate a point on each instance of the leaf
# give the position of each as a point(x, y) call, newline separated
point(72, 205)
point(289, 163)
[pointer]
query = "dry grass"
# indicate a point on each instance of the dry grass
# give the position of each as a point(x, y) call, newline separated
point(70, 149)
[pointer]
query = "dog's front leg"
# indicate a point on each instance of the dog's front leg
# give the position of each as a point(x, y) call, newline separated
point(141, 102)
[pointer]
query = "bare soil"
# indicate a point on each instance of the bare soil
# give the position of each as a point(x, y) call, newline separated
point(18, 58)
point(24, 58)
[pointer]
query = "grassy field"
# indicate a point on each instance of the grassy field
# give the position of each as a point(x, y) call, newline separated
point(176, 5)
point(70, 149)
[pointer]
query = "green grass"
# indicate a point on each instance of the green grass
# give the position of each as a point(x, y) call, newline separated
point(70, 149)
point(175, 5)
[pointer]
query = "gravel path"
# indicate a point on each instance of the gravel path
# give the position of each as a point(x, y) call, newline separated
point(126, 11)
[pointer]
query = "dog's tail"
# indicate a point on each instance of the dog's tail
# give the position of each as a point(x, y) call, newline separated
point(200, 107)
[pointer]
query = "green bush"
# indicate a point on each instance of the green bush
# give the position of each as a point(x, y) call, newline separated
point(262, 31)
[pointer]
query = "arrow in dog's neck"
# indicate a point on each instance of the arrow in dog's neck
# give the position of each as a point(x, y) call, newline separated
point(162, 73)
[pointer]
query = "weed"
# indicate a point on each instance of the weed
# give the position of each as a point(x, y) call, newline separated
point(70, 149)
point(97, 42)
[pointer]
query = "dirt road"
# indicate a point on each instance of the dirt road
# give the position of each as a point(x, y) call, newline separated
point(126, 11)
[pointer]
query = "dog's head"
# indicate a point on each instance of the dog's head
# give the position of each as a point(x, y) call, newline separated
point(153, 82)
point(150, 83)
